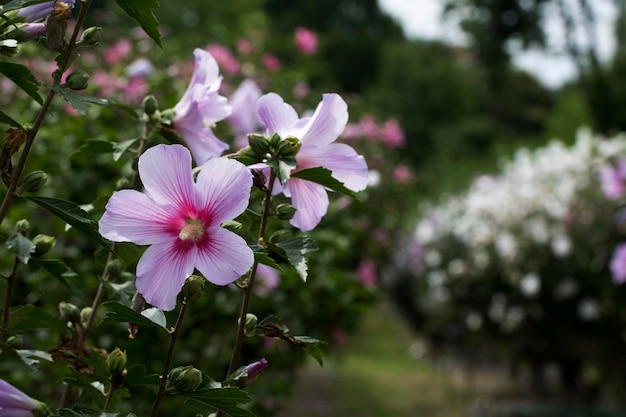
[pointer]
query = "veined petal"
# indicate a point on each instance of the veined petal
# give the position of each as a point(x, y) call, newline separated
point(244, 118)
point(277, 116)
point(162, 271)
point(205, 70)
point(205, 145)
point(327, 123)
point(347, 166)
point(311, 201)
point(223, 186)
point(214, 108)
point(132, 216)
point(11, 397)
point(223, 257)
point(165, 171)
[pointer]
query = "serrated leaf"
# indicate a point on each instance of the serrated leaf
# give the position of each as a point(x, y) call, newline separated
point(22, 246)
point(120, 147)
point(29, 317)
point(136, 375)
point(73, 215)
point(92, 147)
point(6, 119)
point(57, 269)
point(141, 12)
point(225, 400)
point(119, 313)
point(294, 250)
point(23, 78)
point(79, 102)
point(324, 177)
point(262, 257)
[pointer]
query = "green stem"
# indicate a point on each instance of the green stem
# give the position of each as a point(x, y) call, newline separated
point(7, 301)
point(168, 359)
point(108, 399)
point(247, 288)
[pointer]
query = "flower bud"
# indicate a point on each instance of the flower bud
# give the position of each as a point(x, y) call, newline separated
point(150, 105)
point(289, 147)
point(77, 80)
point(116, 362)
point(254, 370)
point(259, 143)
point(251, 322)
point(194, 287)
point(85, 313)
point(248, 156)
point(285, 211)
point(43, 244)
point(41, 410)
point(33, 181)
point(22, 225)
point(275, 140)
point(14, 341)
point(68, 312)
point(183, 379)
point(91, 36)
point(115, 268)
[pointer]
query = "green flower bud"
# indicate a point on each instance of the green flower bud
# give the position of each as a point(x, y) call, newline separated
point(251, 322)
point(183, 379)
point(14, 341)
point(33, 181)
point(259, 143)
point(275, 140)
point(91, 36)
point(43, 244)
point(85, 313)
point(150, 105)
point(115, 268)
point(289, 147)
point(285, 211)
point(42, 410)
point(22, 225)
point(194, 287)
point(116, 362)
point(68, 312)
point(77, 80)
point(248, 156)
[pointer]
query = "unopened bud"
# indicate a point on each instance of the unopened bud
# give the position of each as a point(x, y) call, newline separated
point(259, 143)
point(275, 140)
point(285, 211)
point(41, 409)
point(116, 362)
point(33, 181)
point(194, 287)
point(22, 225)
point(115, 268)
point(14, 341)
point(77, 80)
point(150, 105)
point(68, 312)
point(43, 244)
point(289, 147)
point(183, 379)
point(85, 313)
point(91, 36)
point(251, 322)
point(255, 369)
point(248, 156)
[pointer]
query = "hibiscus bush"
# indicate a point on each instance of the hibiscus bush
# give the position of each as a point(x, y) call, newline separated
point(519, 269)
point(173, 229)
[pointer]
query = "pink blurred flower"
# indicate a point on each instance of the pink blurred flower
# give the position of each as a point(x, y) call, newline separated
point(267, 279)
point(180, 218)
point(224, 58)
point(244, 118)
point(369, 127)
point(618, 264)
point(613, 180)
point(141, 67)
point(367, 273)
point(107, 84)
point(118, 52)
point(392, 134)
point(271, 62)
point(300, 90)
point(317, 134)
point(135, 90)
point(402, 174)
point(306, 41)
point(244, 46)
point(200, 108)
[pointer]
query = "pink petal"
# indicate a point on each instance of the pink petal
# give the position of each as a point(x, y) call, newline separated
point(165, 171)
point(311, 201)
point(327, 123)
point(224, 256)
point(162, 271)
point(132, 216)
point(347, 166)
point(277, 116)
point(223, 186)
point(12, 398)
point(205, 146)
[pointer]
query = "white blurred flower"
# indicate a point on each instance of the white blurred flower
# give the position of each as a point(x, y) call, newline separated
point(530, 284)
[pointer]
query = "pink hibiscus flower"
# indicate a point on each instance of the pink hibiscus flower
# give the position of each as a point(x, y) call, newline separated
point(317, 134)
point(200, 108)
point(181, 220)
point(14, 403)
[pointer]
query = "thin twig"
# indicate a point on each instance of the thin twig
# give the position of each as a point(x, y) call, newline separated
point(7, 300)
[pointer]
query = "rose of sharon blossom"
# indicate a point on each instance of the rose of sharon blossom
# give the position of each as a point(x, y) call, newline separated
point(39, 11)
point(181, 220)
point(317, 135)
point(244, 118)
point(14, 403)
point(200, 108)
point(618, 264)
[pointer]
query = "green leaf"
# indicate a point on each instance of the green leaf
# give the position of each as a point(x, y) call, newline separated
point(136, 375)
point(262, 257)
point(119, 313)
point(92, 147)
point(96, 391)
point(22, 246)
point(73, 215)
point(23, 78)
point(225, 400)
point(315, 352)
point(324, 177)
point(57, 269)
point(29, 317)
point(156, 316)
point(120, 147)
point(282, 167)
point(79, 102)
point(98, 363)
point(141, 12)
point(6, 119)
point(294, 251)
point(33, 357)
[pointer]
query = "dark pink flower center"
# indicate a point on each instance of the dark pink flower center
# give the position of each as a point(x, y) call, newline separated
point(192, 230)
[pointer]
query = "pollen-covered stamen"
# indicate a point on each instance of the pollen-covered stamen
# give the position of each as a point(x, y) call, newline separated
point(192, 230)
